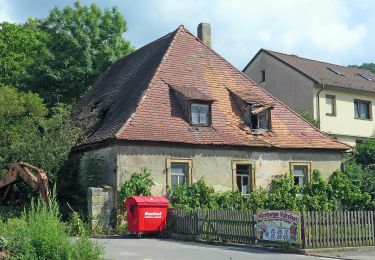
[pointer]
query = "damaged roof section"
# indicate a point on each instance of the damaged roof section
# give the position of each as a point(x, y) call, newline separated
point(165, 90)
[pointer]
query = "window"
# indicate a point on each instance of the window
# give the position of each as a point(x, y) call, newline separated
point(260, 120)
point(263, 76)
point(243, 177)
point(365, 76)
point(200, 114)
point(178, 172)
point(335, 71)
point(300, 172)
point(362, 109)
point(331, 105)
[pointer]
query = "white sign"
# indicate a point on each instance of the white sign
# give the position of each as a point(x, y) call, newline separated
point(153, 214)
point(279, 225)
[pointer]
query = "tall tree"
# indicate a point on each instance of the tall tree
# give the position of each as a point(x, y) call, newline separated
point(19, 46)
point(82, 42)
point(32, 132)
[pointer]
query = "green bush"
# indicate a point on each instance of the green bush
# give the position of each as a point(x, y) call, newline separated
point(316, 195)
point(349, 195)
point(198, 195)
point(310, 118)
point(40, 234)
point(282, 193)
point(139, 184)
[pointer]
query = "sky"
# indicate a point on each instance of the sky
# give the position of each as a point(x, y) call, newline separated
point(335, 31)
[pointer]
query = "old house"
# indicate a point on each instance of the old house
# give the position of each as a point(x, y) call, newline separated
point(178, 108)
point(341, 98)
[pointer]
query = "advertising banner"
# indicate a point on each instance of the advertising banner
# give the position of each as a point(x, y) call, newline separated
point(278, 225)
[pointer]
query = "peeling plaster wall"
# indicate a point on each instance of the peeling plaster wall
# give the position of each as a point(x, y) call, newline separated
point(216, 165)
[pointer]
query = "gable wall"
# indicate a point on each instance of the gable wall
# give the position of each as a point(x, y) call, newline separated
point(283, 82)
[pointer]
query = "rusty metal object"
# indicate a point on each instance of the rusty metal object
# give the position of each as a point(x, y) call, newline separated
point(30, 174)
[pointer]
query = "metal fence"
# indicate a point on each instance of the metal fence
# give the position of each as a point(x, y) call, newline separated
point(318, 229)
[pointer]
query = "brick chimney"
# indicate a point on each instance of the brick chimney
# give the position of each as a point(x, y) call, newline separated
point(204, 33)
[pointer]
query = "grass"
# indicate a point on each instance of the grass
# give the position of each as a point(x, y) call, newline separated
point(39, 233)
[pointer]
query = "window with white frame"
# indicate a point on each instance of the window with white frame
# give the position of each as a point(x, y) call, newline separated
point(243, 176)
point(300, 172)
point(243, 172)
point(260, 120)
point(178, 172)
point(200, 114)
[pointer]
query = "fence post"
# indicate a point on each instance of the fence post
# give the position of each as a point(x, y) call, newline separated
point(303, 236)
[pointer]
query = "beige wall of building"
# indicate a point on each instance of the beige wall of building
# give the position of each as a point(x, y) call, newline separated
point(215, 165)
point(283, 82)
point(299, 92)
point(343, 125)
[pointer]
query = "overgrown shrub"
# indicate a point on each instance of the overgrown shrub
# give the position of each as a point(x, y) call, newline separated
point(316, 195)
point(140, 183)
point(197, 195)
point(282, 193)
point(310, 118)
point(39, 234)
point(349, 195)
point(92, 169)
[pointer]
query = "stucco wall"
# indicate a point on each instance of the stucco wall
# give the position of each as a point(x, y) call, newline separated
point(344, 126)
point(283, 82)
point(216, 165)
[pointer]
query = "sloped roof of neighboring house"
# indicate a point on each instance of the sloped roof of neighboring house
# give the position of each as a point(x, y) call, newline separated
point(327, 73)
point(138, 95)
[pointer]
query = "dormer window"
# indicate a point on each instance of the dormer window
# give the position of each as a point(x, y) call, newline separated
point(199, 114)
point(260, 121)
point(259, 118)
point(256, 110)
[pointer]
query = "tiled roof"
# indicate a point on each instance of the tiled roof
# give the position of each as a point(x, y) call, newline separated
point(328, 74)
point(192, 93)
point(144, 107)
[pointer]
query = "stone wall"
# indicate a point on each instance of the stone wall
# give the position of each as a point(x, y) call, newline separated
point(101, 207)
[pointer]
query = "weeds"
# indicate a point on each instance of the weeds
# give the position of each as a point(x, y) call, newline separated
point(40, 234)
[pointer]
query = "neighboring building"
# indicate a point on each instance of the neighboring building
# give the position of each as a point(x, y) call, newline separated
point(178, 108)
point(341, 98)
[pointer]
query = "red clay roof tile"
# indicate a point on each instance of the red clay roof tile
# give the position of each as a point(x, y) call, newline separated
point(156, 115)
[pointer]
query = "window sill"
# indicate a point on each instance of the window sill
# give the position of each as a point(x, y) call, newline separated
point(258, 131)
point(364, 119)
point(333, 115)
point(200, 125)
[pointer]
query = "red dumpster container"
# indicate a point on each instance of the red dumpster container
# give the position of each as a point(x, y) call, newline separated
point(146, 214)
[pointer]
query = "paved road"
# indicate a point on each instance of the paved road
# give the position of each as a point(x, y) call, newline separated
point(356, 254)
point(152, 249)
